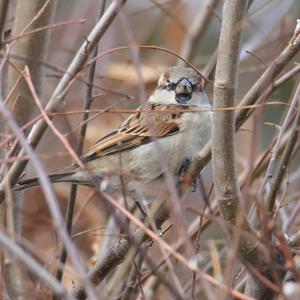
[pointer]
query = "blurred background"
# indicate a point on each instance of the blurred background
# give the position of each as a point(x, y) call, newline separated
point(168, 24)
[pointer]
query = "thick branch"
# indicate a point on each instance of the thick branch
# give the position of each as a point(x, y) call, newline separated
point(223, 127)
point(115, 256)
point(223, 145)
point(30, 14)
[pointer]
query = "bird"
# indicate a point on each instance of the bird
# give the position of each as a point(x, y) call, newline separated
point(163, 135)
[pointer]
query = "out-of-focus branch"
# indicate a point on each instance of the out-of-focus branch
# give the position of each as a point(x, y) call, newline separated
point(82, 133)
point(50, 195)
point(263, 160)
point(262, 87)
point(30, 14)
point(3, 14)
point(285, 159)
point(269, 172)
point(117, 252)
point(134, 274)
point(34, 266)
point(197, 29)
point(56, 99)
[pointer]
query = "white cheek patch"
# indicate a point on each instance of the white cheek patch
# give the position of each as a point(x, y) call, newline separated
point(163, 97)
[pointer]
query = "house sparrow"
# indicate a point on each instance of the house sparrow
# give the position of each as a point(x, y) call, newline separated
point(163, 134)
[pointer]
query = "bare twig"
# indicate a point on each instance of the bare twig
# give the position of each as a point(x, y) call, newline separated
point(114, 256)
point(197, 29)
point(117, 252)
point(51, 198)
point(223, 148)
point(285, 159)
point(223, 129)
point(134, 274)
point(263, 160)
point(269, 173)
point(55, 101)
point(46, 27)
point(34, 266)
point(262, 89)
point(82, 133)
point(34, 13)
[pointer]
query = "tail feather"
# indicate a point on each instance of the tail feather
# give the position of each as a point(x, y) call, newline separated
point(34, 181)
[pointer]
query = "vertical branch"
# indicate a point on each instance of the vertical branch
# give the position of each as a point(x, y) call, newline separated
point(223, 144)
point(4, 4)
point(223, 127)
point(33, 46)
point(29, 15)
point(4, 8)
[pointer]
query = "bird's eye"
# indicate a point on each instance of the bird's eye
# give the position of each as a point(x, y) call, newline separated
point(170, 86)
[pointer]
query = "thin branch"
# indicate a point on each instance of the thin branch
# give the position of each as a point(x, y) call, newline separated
point(134, 274)
point(269, 173)
point(285, 159)
point(117, 252)
point(51, 198)
point(34, 266)
point(261, 90)
point(197, 29)
point(281, 61)
point(114, 256)
point(82, 133)
point(56, 99)
point(46, 27)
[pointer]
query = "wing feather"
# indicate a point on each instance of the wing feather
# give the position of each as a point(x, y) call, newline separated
point(135, 130)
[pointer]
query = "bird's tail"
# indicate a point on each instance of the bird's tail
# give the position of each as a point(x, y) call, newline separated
point(34, 181)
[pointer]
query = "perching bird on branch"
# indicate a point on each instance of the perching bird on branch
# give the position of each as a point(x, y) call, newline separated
point(162, 136)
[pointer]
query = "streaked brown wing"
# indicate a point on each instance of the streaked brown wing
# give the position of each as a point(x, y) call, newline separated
point(134, 131)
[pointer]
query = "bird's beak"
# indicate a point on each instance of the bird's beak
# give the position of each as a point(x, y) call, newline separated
point(183, 91)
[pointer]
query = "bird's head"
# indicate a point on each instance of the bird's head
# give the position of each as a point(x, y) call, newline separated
point(179, 86)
